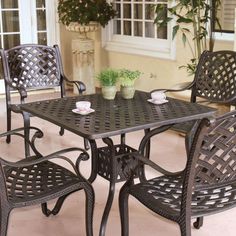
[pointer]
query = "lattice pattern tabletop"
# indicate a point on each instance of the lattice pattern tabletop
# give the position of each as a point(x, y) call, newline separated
point(114, 117)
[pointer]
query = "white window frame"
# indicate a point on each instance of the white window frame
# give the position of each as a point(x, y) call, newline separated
point(52, 25)
point(158, 48)
point(225, 36)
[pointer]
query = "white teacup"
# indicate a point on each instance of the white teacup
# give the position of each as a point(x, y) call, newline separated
point(158, 95)
point(83, 105)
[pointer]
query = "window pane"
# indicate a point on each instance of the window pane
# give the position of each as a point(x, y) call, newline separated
point(162, 33)
point(9, 3)
point(117, 8)
point(225, 14)
point(41, 20)
point(127, 28)
point(149, 12)
point(42, 38)
point(127, 11)
point(11, 40)
point(149, 30)
point(138, 11)
point(138, 29)
point(40, 3)
point(10, 21)
point(117, 27)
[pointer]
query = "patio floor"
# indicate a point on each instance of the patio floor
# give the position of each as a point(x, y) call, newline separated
point(70, 221)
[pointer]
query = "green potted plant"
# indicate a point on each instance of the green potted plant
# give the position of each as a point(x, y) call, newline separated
point(83, 12)
point(127, 79)
point(108, 79)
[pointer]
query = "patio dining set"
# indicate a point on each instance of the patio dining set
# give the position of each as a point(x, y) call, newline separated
point(207, 184)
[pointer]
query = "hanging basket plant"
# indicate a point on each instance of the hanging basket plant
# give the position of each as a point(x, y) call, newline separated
point(85, 11)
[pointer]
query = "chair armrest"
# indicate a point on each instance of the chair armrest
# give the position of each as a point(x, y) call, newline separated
point(153, 165)
point(21, 89)
point(79, 84)
point(38, 134)
point(33, 160)
point(186, 87)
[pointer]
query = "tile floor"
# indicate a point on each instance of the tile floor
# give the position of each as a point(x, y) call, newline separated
point(168, 150)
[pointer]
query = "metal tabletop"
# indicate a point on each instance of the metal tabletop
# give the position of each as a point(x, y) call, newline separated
point(114, 117)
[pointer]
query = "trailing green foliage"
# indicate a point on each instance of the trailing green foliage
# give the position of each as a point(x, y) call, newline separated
point(108, 77)
point(127, 77)
point(84, 11)
point(192, 18)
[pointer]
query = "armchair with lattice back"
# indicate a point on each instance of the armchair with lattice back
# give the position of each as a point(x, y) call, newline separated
point(214, 82)
point(206, 186)
point(39, 179)
point(32, 67)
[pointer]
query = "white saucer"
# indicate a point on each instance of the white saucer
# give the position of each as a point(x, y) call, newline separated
point(156, 102)
point(83, 112)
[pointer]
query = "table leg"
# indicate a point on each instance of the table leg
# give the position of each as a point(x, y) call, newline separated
point(107, 209)
point(94, 153)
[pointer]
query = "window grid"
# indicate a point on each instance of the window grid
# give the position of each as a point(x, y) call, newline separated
point(128, 23)
point(8, 37)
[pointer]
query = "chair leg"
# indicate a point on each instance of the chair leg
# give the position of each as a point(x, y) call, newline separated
point(45, 209)
point(26, 118)
point(62, 131)
point(89, 192)
point(124, 212)
point(185, 228)
point(8, 139)
point(4, 221)
point(56, 209)
point(198, 223)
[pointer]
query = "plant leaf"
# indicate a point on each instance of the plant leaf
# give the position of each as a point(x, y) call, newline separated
point(175, 30)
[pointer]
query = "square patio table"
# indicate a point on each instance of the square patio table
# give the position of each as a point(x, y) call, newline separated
point(114, 117)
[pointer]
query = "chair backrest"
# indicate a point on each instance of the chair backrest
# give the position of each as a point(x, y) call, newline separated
point(32, 66)
point(215, 77)
point(212, 157)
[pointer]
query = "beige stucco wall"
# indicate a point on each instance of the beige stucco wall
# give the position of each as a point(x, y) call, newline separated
point(166, 72)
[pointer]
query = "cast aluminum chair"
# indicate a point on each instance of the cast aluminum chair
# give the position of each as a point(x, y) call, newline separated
point(32, 67)
point(214, 81)
point(37, 180)
point(206, 186)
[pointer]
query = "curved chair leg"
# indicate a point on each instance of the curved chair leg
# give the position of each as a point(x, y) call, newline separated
point(8, 139)
point(90, 196)
point(56, 208)
point(124, 213)
point(185, 228)
point(198, 223)
point(45, 209)
point(62, 131)
point(4, 221)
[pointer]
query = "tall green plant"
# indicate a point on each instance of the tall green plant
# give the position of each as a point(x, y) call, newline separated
point(192, 18)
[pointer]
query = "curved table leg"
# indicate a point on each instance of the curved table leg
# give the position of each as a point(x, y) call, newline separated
point(94, 153)
point(107, 209)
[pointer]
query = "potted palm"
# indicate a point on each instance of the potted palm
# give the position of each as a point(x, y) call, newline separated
point(85, 15)
point(108, 79)
point(193, 20)
point(127, 79)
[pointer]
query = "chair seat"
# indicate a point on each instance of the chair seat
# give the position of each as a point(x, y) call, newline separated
point(46, 179)
point(163, 195)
